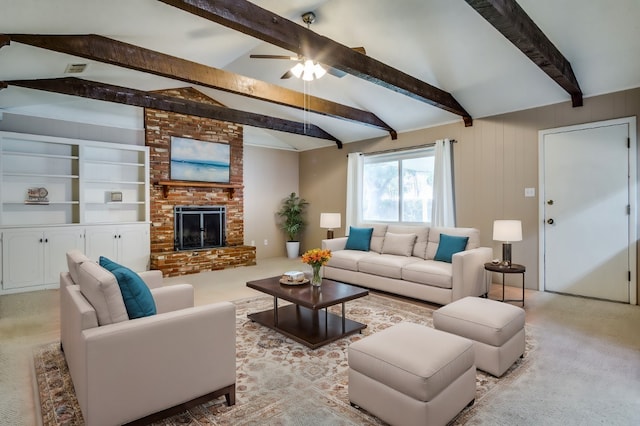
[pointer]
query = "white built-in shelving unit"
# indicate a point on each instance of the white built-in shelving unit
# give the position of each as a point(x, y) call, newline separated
point(88, 188)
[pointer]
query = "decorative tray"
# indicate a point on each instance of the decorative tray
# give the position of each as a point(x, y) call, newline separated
point(288, 282)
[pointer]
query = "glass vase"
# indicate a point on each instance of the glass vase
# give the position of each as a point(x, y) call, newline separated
point(316, 277)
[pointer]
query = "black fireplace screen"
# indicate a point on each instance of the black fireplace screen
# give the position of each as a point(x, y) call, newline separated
point(199, 227)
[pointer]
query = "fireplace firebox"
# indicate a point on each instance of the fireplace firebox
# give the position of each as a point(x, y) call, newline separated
point(199, 227)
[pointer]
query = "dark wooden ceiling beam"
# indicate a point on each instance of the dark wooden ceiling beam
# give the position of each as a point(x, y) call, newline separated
point(260, 23)
point(514, 23)
point(139, 98)
point(103, 49)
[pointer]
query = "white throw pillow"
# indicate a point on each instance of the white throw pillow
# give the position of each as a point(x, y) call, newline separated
point(101, 289)
point(398, 244)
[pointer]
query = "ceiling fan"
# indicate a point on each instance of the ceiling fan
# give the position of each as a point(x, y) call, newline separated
point(307, 68)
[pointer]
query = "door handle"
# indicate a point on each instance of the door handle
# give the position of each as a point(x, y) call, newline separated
point(550, 221)
point(550, 202)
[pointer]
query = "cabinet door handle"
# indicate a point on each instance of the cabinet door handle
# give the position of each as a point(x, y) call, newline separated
point(46, 240)
point(41, 240)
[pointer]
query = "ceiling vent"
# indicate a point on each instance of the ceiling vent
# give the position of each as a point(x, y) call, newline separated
point(75, 68)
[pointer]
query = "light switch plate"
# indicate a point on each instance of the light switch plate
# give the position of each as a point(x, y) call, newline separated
point(529, 192)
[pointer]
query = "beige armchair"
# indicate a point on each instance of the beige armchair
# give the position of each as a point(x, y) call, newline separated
point(153, 366)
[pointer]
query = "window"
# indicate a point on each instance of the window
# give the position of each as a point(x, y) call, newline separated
point(398, 187)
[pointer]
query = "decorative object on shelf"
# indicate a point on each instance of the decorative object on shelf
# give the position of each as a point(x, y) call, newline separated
point(202, 161)
point(329, 221)
point(507, 231)
point(292, 214)
point(115, 197)
point(316, 258)
point(37, 195)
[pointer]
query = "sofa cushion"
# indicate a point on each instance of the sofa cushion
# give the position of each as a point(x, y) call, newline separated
point(137, 297)
point(348, 259)
point(359, 239)
point(422, 235)
point(434, 238)
point(377, 238)
point(101, 289)
point(448, 246)
point(385, 265)
point(74, 259)
point(430, 272)
point(398, 244)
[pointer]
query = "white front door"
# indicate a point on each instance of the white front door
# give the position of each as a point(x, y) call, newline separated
point(587, 208)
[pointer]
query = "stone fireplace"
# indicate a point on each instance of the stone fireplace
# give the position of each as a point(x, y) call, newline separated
point(199, 227)
point(167, 195)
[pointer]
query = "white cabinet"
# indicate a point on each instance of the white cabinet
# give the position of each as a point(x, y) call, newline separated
point(124, 244)
point(91, 188)
point(34, 257)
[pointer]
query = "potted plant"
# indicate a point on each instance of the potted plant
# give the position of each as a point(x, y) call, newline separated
point(292, 214)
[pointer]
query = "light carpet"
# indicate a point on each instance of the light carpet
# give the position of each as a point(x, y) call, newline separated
point(278, 381)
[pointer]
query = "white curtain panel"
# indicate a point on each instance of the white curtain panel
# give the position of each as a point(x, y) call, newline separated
point(443, 208)
point(355, 162)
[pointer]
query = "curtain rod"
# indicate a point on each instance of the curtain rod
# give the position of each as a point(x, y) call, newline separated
point(408, 148)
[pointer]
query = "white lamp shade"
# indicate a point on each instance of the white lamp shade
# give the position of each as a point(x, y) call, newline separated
point(330, 220)
point(318, 70)
point(507, 230)
point(297, 70)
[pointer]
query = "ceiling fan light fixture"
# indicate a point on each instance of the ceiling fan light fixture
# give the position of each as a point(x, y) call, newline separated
point(309, 69)
point(297, 70)
point(319, 71)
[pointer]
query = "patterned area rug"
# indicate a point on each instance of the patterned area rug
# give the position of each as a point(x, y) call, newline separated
point(279, 381)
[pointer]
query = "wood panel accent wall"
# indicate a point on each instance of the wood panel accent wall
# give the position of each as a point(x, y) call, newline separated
point(494, 161)
point(160, 126)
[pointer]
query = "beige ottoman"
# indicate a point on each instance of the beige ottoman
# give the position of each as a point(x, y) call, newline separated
point(409, 374)
point(496, 328)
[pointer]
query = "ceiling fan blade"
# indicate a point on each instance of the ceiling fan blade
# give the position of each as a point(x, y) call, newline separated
point(335, 72)
point(287, 74)
point(360, 49)
point(291, 58)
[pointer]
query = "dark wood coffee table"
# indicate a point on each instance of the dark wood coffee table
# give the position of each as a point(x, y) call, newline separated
point(307, 321)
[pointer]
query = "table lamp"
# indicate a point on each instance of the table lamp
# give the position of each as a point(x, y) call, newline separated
point(330, 221)
point(507, 231)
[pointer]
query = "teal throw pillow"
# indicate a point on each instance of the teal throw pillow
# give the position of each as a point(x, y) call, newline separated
point(135, 293)
point(450, 245)
point(108, 264)
point(359, 239)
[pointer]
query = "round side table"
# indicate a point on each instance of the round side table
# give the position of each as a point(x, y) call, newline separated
point(512, 269)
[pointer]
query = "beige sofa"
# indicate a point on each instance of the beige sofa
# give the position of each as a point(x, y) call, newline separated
point(124, 370)
point(406, 265)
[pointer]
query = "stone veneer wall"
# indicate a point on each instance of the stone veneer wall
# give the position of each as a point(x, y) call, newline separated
point(160, 126)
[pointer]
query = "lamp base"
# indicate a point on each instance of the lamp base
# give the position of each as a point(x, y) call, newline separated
point(330, 234)
point(506, 254)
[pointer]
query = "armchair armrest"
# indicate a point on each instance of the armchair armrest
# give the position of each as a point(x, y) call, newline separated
point(153, 279)
point(173, 297)
point(468, 272)
point(335, 244)
point(159, 361)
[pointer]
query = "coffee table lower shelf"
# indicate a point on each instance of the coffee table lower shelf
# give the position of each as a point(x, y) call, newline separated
point(313, 328)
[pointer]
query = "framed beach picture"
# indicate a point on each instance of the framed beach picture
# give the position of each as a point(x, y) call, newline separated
point(199, 161)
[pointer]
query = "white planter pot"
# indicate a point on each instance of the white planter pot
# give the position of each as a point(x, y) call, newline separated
point(293, 249)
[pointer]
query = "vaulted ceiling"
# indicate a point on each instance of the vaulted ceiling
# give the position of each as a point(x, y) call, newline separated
point(427, 62)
